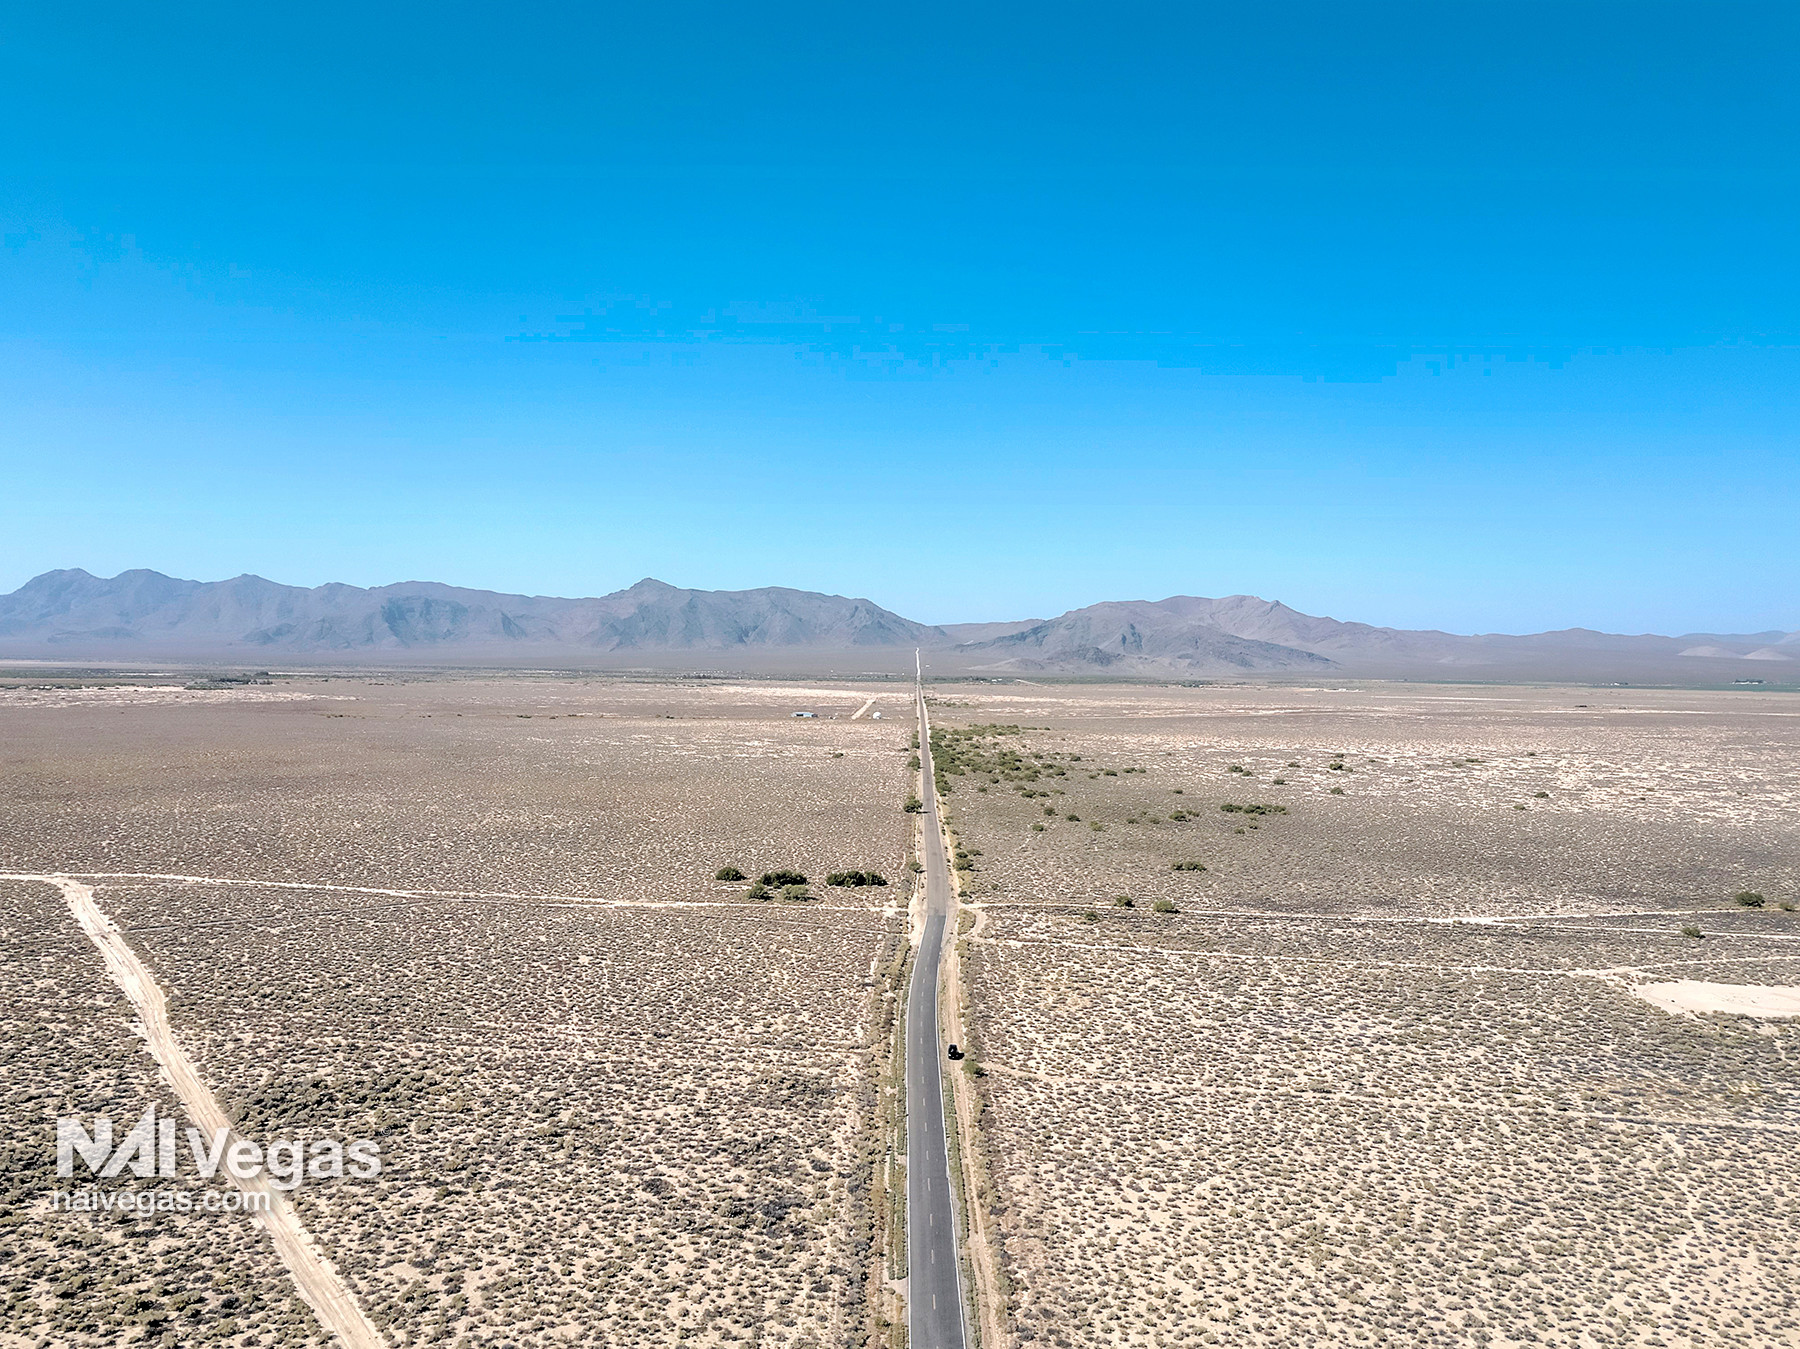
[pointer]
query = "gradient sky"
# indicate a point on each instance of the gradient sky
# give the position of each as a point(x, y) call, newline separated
point(1464, 315)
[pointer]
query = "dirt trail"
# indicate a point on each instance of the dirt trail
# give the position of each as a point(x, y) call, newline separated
point(984, 1241)
point(318, 1283)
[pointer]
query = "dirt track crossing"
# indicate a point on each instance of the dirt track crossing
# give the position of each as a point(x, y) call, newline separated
point(315, 1278)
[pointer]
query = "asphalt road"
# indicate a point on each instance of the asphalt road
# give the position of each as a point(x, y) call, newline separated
point(934, 1284)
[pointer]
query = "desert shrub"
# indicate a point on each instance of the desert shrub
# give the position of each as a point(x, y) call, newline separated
point(1090, 917)
point(913, 805)
point(1180, 815)
point(1542, 796)
point(795, 894)
point(1748, 899)
point(757, 890)
point(728, 874)
point(1037, 828)
point(776, 879)
point(1073, 818)
point(855, 878)
point(913, 762)
point(1691, 931)
point(1190, 866)
point(1165, 906)
point(1122, 902)
point(1253, 808)
point(1280, 782)
point(1337, 791)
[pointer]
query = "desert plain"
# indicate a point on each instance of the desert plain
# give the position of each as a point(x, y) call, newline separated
point(1367, 1016)
point(477, 920)
point(1388, 1014)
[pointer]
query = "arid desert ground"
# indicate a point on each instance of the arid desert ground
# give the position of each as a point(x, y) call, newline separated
point(1397, 1040)
point(1383, 1070)
point(476, 919)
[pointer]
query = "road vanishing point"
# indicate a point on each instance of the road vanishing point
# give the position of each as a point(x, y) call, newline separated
point(934, 1296)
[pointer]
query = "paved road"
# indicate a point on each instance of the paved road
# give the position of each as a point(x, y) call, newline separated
point(934, 1284)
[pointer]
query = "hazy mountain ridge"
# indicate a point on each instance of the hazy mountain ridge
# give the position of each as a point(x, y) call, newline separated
point(1177, 634)
point(73, 611)
point(144, 613)
point(1243, 632)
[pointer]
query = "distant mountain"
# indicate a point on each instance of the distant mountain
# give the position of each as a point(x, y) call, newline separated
point(72, 612)
point(1189, 634)
point(1180, 634)
point(137, 614)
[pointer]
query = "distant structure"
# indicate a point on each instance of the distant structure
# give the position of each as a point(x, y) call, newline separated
point(874, 716)
point(807, 714)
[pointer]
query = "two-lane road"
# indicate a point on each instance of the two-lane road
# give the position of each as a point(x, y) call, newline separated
point(934, 1282)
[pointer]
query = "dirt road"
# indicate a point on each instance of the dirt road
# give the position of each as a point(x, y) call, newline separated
point(318, 1283)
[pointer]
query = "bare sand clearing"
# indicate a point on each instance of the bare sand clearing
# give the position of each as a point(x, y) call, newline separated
point(133, 695)
point(1696, 995)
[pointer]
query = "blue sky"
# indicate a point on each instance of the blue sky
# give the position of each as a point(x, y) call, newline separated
point(1476, 316)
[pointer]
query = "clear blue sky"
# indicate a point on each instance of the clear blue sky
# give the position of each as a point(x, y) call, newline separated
point(1482, 316)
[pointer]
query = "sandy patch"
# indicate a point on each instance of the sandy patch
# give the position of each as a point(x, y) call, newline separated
point(120, 695)
point(1694, 995)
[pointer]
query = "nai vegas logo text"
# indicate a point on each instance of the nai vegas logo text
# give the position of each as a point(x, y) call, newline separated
point(150, 1148)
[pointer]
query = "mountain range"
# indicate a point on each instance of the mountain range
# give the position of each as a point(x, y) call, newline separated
point(71, 614)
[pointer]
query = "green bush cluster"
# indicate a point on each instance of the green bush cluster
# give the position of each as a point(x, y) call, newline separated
point(957, 752)
point(793, 892)
point(1252, 808)
point(854, 878)
point(1190, 866)
point(728, 873)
